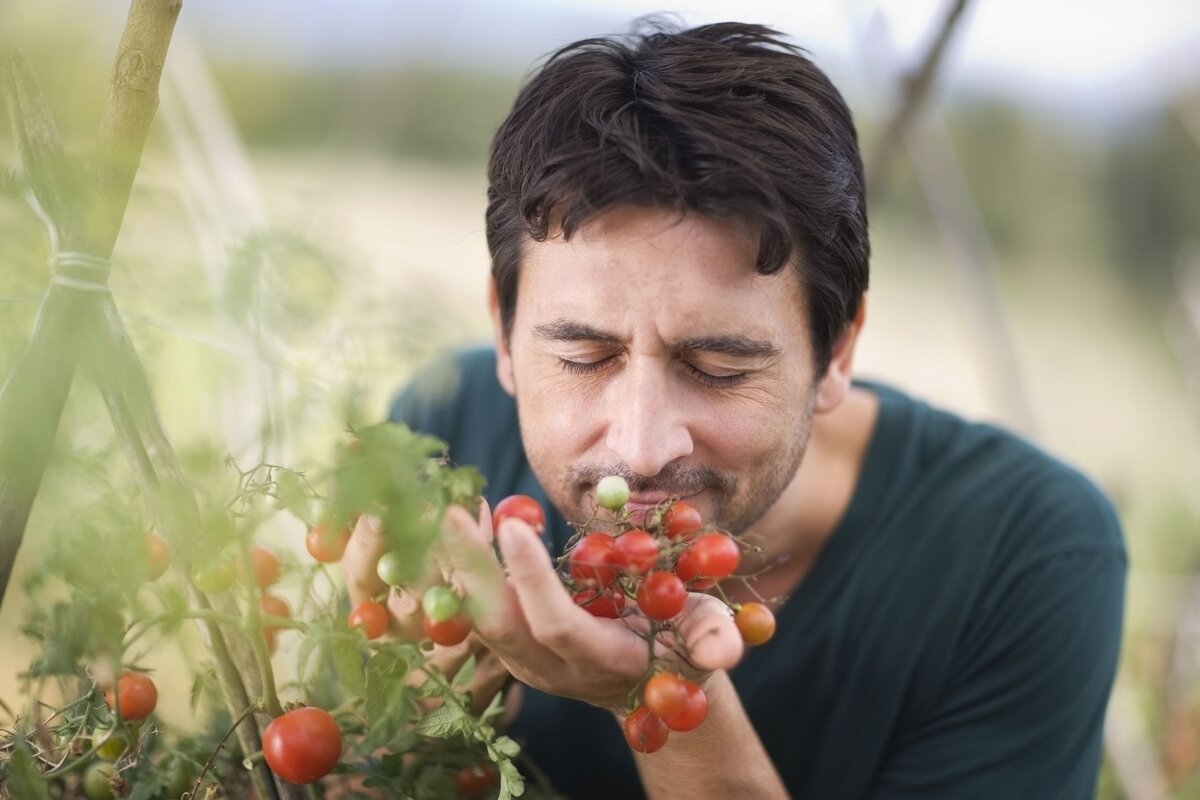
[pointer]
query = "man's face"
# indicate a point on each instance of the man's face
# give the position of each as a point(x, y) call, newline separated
point(649, 347)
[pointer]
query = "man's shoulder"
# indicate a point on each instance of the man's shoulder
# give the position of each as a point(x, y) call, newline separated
point(457, 381)
point(1000, 483)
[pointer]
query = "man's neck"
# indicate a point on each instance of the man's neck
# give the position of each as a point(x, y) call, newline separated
point(795, 530)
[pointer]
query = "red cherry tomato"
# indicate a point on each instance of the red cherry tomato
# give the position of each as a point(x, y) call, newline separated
point(448, 633)
point(327, 544)
point(265, 566)
point(756, 622)
point(665, 695)
point(138, 694)
point(372, 616)
point(471, 781)
point(661, 595)
point(158, 555)
point(645, 732)
point(594, 560)
point(303, 745)
point(693, 712)
point(708, 559)
point(681, 521)
point(639, 551)
point(275, 607)
point(522, 507)
point(600, 604)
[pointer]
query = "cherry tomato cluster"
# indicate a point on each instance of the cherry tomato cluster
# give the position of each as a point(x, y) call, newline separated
point(655, 564)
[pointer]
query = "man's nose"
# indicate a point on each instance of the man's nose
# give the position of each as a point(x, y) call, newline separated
point(647, 428)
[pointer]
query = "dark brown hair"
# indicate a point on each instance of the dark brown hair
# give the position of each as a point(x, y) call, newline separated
point(728, 121)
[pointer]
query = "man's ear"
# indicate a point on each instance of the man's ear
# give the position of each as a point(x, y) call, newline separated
point(833, 388)
point(504, 372)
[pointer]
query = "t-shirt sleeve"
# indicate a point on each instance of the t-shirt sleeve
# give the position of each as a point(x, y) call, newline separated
point(428, 402)
point(1022, 713)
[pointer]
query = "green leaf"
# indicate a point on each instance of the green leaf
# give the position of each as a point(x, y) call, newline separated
point(386, 698)
point(348, 663)
point(511, 782)
point(506, 746)
point(465, 673)
point(317, 634)
point(443, 722)
point(25, 780)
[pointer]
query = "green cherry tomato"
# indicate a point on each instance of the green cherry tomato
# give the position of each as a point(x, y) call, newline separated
point(440, 603)
point(180, 779)
point(391, 569)
point(95, 781)
point(612, 492)
point(211, 577)
point(112, 749)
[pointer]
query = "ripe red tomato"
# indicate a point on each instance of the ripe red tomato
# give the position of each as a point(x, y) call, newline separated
point(265, 566)
point(519, 506)
point(645, 732)
point(756, 622)
point(471, 781)
point(275, 607)
point(600, 604)
point(327, 544)
point(661, 595)
point(681, 521)
point(713, 556)
point(595, 560)
point(639, 551)
point(372, 616)
point(303, 745)
point(693, 712)
point(158, 555)
point(665, 694)
point(138, 698)
point(448, 633)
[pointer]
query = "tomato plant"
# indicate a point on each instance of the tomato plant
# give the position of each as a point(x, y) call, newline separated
point(303, 745)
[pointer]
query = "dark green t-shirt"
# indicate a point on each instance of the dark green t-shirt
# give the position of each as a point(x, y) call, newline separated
point(957, 638)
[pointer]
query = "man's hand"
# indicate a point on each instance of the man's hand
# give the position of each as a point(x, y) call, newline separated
point(530, 622)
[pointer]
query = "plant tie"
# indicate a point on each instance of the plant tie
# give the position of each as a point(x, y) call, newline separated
point(80, 271)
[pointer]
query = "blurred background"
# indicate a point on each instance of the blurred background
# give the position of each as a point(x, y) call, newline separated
point(307, 227)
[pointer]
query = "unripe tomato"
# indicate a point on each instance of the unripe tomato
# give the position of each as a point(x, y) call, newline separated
point(693, 712)
point(391, 569)
point(661, 595)
point(440, 603)
point(265, 566)
point(522, 507)
point(595, 560)
point(681, 521)
point(600, 604)
point(114, 745)
point(372, 616)
point(756, 622)
point(138, 696)
point(96, 781)
point(212, 577)
point(303, 745)
point(448, 633)
point(645, 732)
point(158, 555)
point(612, 492)
point(275, 607)
point(638, 550)
point(179, 779)
point(665, 694)
point(327, 543)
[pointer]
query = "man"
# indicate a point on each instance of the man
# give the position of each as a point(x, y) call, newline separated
point(678, 233)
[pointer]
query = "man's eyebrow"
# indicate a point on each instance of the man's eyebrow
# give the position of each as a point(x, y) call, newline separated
point(567, 331)
point(732, 345)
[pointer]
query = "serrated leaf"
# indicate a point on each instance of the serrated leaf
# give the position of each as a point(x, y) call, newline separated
point(443, 722)
point(506, 746)
point(348, 664)
point(495, 708)
point(25, 780)
point(386, 698)
point(512, 784)
point(465, 674)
